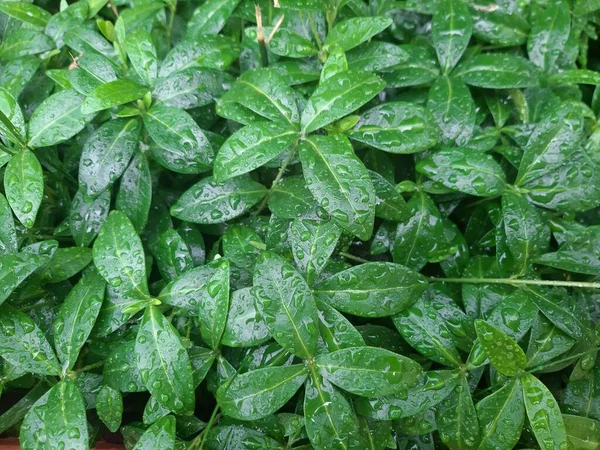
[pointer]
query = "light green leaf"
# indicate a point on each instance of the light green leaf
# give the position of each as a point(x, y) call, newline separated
point(65, 417)
point(352, 32)
point(111, 94)
point(503, 352)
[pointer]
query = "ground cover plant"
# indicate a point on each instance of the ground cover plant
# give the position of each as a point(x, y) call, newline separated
point(304, 224)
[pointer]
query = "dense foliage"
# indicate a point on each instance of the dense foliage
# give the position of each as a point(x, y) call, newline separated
point(313, 224)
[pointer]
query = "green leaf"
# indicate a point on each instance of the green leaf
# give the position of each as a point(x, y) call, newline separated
point(291, 198)
point(427, 332)
point(497, 71)
point(451, 30)
point(544, 414)
point(501, 417)
point(375, 289)
point(23, 42)
point(284, 42)
point(581, 395)
point(76, 318)
point(120, 369)
point(582, 433)
point(57, 119)
point(499, 26)
point(111, 94)
point(245, 326)
point(184, 291)
point(578, 254)
point(210, 202)
point(259, 393)
point(10, 108)
point(172, 255)
point(240, 437)
point(397, 127)
point(65, 417)
point(24, 345)
point(191, 88)
point(375, 56)
point(184, 147)
point(163, 362)
point(8, 233)
point(24, 186)
point(119, 255)
point(87, 216)
point(457, 419)
point(211, 51)
point(15, 268)
point(420, 67)
point(514, 315)
point(352, 32)
point(550, 28)
point(106, 154)
point(575, 76)
point(160, 435)
point(26, 12)
point(420, 237)
point(339, 182)
point(369, 371)
point(503, 352)
point(453, 109)
point(135, 192)
point(329, 418)
point(431, 389)
point(142, 54)
point(389, 203)
point(336, 331)
point(265, 92)
point(17, 73)
point(312, 245)
point(336, 62)
point(250, 148)
point(558, 306)
point(210, 17)
point(527, 236)
point(287, 304)
point(546, 342)
point(32, 434)
point(214, 306)
point(109, 405)
point(464, 170)
point(338, 96)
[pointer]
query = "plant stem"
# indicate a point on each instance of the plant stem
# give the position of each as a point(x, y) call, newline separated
point(353, 258)
point(201, 438)
point(519, 282)
point(172, 10)
point(260, 37)
point(282, 170)
point(90, 367)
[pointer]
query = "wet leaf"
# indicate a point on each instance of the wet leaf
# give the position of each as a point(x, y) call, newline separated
point(451, 30)
point(109, 406)
point(65, 416)
point(24, 186)
point(503, 352)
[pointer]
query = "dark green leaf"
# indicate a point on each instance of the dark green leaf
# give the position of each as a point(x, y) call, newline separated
point(77, 317)
point(312, 245)
point(544, 414)
point(109, 406)
point(369, 371)
point(451, 30)
point(457, 419)
point(259, 393)
point(65, 416)
point(453, 109)
point(339, 182)
point(465, 170)
point(287, 304)
point(160, 435)
point(497, 71)
point(163, 362)
point(338, 96)
point(135, 192)
point(550, 27)
point(24, 186)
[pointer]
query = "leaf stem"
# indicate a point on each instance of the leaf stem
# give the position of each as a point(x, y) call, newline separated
point(277, 179)
point(90, 367)
point(199, 440)
point(260, 37)
point(519, 282)
point(172, 10)
point(353, 258)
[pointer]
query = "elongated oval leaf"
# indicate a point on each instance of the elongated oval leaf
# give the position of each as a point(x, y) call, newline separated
point(24, 186)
